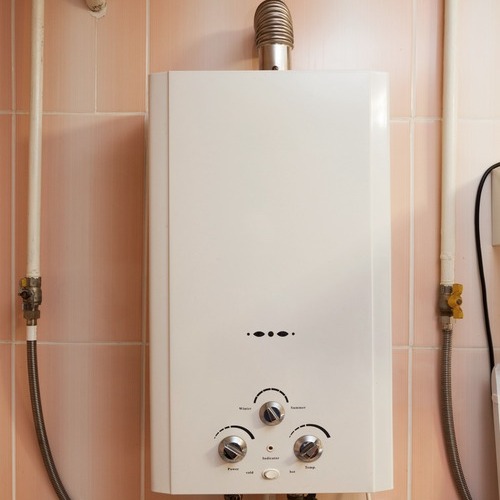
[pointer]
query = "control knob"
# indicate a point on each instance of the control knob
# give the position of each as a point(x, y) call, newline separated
point(272, 413)
point(308, 448)
point(232, 449)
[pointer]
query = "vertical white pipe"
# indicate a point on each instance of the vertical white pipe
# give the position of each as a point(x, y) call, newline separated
point(35, 143)
point(449, 135)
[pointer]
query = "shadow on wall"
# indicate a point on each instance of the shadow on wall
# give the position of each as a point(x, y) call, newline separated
point(223, 50)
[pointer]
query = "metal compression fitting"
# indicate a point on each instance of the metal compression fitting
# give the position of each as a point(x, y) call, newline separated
point(273, 35)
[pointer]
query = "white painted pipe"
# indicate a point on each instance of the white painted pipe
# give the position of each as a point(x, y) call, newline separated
point(35, 142)
point(449, 141)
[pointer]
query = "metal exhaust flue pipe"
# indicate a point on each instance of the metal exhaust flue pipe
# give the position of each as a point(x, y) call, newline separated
point(273, 35)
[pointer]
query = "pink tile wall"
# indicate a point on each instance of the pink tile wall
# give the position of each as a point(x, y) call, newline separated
point(5, 57)
point(401, 213)
point(121, 57)
point(474, 427)
point(92, 232)
point(92, 409)
point(5, 226)
point(92, 332)
point(426, 220)
point(5, 421)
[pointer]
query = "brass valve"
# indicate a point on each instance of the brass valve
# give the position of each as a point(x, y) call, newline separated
point(455, 301)
point(450, 300)
point(30, 290)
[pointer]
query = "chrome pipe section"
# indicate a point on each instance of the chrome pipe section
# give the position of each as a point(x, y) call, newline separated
point(447, 420)
point(273, 35)
point(41, 433)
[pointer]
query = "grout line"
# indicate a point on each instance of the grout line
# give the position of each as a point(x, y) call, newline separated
point(95, 65)
point(95, 113)
point(411, 277)
point(86, 113)
point(410, 425)
point(148, 54)
point(13, 417)
point(13, 157)
point(145, 261)
point(77, 343)
point(146, 345)
point(398, 119)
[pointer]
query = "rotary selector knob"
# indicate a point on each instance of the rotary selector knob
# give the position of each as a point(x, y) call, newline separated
point(308, 448)
point(272, 413)
point(232, 449)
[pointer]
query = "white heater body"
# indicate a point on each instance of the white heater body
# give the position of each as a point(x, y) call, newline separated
point(270, 282)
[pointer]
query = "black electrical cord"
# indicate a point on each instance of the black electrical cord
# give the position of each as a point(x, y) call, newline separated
point(36, 406)
point(480, 264)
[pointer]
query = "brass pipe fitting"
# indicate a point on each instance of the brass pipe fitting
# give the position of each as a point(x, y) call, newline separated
point(450, 301)
point(30, 290)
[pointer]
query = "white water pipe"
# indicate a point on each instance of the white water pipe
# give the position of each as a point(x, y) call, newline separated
point(35, 142)
point(449, 141)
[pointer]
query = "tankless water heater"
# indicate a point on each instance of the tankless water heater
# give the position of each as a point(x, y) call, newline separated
point(270, 324)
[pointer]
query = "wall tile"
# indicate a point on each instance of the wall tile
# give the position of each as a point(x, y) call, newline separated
point(69, 56)
point(342, 35)
point(479, 50)
point(479, 147)
point(5, 228)
point(429, 57)
point(22, 54)
point(427, 178)
point(5, 56)
point(401, 213)
point(21, 203)
point(121, 57)
point(92, 226)
point(91, 398)
point(5, 422)
point(202, 35)
point(473, 425)
point(69, 72)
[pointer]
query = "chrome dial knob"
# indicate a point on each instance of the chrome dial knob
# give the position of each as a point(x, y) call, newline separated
point(272, 413)
point(232, 449)
point(308, 448)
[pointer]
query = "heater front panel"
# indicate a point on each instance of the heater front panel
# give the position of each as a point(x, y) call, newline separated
point(277, 242)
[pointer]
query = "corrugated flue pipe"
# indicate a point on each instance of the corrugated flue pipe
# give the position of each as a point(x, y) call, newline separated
point(273, 35)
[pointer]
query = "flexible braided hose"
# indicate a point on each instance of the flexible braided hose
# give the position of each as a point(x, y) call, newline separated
point(41, 434)
point(447, 418)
